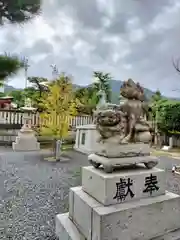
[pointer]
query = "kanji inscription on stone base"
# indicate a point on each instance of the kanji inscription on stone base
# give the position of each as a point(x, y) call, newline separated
point(124, 185)
point(123, 189)
point(151, 184)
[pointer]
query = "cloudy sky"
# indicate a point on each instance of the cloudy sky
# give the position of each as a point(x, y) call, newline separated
point(132, 38)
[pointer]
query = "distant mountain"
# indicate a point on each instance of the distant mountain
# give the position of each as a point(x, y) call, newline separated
point(115, 86)
point(8, 88)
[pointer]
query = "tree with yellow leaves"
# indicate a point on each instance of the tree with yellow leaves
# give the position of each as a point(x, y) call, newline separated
point(60, 105)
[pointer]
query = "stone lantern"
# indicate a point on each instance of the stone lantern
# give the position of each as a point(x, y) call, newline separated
point(27, 117)
point(26, 139)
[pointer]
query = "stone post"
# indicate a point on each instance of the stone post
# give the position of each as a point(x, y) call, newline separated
point(171, 142)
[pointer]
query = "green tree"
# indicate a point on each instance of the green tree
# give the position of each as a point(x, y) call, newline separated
point(87, 97)
point(9, 65)
point(15, 11)
point(33, 94)
point(60, 106)
point(103, 82)
point(37, 84)
point(30, 92)
point(157, 96)
point(36, 91)
point(18, 11)
point(18, 97)
point(155, 101)
point(2, 94)
point(169, 115)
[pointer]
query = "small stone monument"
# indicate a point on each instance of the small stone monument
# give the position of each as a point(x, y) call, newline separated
point(26, 139)
point(127, 203)
point(86, 138)
point(87, 135)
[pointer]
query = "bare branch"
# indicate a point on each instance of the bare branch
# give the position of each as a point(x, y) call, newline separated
point(176, 65)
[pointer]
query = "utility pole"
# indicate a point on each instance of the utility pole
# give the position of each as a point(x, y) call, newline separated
point(26, 66)
point(55, 71)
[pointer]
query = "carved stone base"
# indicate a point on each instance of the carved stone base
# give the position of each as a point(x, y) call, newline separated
point(110, 164)
point(114, 150)
point(26, 140)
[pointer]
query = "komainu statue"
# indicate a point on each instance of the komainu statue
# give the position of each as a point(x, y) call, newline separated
point(124, 133)
point(135, 109)
point(125, 123)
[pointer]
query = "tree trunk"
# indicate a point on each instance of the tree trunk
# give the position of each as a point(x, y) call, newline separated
point(58, 149)
point(54, 147)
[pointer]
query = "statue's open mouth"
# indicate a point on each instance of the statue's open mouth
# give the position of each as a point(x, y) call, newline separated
point(108, 122)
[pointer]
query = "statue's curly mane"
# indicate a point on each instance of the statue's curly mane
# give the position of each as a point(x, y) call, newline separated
point(108, 118)
point(132, 90)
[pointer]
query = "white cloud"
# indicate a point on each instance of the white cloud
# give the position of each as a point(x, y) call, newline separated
point(38, 58)
point(127, 38)
point(167, 19)
point(133, 23)
point(107, 7)
point(127, 66)
point(137, 35)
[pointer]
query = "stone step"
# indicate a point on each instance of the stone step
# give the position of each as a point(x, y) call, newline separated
point(65, 228)
point(80, 210)
point(143, 219)
point(30, 146)
point(106, 188)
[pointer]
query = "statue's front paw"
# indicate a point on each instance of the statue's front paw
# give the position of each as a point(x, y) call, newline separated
point(101, 140)
point(125, 140)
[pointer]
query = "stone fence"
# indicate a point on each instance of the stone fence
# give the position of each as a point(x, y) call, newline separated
point(12, 120)
point(15, 117)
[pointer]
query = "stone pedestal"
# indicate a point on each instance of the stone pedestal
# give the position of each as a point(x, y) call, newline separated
point(26, 140)
point(128, 204)
point(102, 186)
point(86, 139)
point(109, 164)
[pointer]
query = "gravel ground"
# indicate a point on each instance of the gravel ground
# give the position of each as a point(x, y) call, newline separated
point(33, 191)
point(173, 181)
